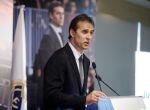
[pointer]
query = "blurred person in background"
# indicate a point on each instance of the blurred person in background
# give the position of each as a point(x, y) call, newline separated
point(93, 7)
point(71, 7)
point(71, 12)
point(85, 7)
point(65, 2)
point(50, 42)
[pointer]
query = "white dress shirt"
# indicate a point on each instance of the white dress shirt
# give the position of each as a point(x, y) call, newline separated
point(75, 53)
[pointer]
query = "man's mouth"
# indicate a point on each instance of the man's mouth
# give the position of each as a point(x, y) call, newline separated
point(86, 43)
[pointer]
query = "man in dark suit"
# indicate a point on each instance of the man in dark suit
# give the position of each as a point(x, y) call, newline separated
point(50, 42)
point(53, 39)
point(65, 74)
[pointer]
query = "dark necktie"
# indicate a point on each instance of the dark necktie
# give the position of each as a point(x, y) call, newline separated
point(81, 70)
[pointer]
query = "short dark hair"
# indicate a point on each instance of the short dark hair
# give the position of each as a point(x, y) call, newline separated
point(53, 5)
point(77, 19)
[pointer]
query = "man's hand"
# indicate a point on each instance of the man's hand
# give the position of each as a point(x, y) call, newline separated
point(93, 97)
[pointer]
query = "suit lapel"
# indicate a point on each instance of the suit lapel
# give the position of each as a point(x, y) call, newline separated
point(74, 65)
point(54, 35)
point(75, 68)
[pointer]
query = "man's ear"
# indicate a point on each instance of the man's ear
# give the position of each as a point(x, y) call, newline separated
point(50, 16)
point(72, 32)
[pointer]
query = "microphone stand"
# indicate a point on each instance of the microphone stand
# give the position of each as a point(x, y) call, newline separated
point(99, 84)
point(99, 79)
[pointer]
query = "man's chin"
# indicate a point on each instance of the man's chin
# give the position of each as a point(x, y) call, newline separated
point(85, 47)
point(61, 24)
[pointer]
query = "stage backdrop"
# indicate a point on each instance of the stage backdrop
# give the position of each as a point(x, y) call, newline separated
point(36, 25)
point(6, 27)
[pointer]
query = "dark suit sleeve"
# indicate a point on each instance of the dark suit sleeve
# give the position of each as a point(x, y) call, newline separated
point(54, 77)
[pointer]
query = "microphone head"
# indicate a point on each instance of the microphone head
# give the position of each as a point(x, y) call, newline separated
point(93, 65)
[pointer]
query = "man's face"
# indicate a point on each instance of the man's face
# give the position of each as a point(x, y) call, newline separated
point(57, 17)
point(82, 37)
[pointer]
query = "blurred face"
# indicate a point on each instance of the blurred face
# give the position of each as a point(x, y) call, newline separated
point(86, 3)
point(82, 37)
point(65, 1)
point(73, 7)
point(57, 17)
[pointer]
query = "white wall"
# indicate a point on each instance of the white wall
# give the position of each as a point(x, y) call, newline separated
point(115, 47)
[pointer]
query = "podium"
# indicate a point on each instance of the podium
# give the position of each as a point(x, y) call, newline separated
point(124, 103)
point(129, 103)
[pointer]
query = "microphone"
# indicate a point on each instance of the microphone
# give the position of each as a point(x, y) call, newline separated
point(100, 79)
point(97, 76)
point(94, 67)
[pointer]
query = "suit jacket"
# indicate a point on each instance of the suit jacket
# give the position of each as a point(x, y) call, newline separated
point(49, 44)
point(62, 85)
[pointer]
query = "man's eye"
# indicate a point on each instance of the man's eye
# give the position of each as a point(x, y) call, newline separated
point(92, 32)
point(84, 31)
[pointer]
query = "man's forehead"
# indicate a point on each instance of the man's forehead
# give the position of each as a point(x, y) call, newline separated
point(85, 24)
point(58, 8)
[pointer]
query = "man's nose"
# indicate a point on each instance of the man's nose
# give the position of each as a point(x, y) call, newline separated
point(61, 16)
point(89, 36)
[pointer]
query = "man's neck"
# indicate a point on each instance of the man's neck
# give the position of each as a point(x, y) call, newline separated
point(54, 24)
point(56, 28)
point(76, 47)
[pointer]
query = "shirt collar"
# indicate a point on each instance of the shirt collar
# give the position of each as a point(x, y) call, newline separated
point(75, 52)
point(56, 29)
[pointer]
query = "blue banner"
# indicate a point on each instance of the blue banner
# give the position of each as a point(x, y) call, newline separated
point(105, 104)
